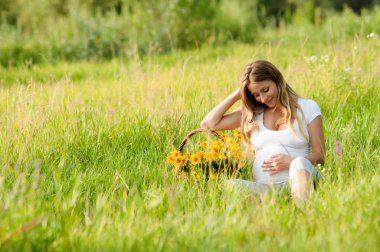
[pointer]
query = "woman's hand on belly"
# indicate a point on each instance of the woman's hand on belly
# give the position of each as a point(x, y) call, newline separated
point(277, 163)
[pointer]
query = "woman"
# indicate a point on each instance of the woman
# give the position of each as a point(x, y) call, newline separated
point(285, 130)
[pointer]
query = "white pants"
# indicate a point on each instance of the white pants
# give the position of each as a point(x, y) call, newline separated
point(298, 164)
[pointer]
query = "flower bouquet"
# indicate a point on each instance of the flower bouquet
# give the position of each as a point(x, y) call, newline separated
point(213, 157)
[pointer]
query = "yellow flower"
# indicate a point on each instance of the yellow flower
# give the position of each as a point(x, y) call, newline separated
point(217, 144)
point(178, 161)
point(213, 155)
point(174, 157)
point(230, 141)
point(208, 156)
point(195, 159)
point(222, 157)
point(184, 160)
point(238, 135)
point(204, 144)
point(233, 147)
point(215, 149)
point(176, 153)
point(237, 155)
point(201, 154)
point(170, 159)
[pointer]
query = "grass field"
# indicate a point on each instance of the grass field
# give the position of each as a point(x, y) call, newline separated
point(84, 144)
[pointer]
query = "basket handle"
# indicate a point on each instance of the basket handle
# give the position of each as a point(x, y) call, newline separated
point(191, 133)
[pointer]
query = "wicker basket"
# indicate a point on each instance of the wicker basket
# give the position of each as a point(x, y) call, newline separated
point(228, 167)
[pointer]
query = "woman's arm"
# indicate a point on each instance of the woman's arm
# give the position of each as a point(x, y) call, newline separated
point(216, 120)
point(317, 142)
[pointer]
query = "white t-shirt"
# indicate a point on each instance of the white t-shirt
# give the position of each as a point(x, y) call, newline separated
point(267, 143)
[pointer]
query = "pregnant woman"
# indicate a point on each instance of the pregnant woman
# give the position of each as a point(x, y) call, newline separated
point(284, 130)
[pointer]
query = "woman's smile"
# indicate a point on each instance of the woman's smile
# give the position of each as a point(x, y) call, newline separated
point(264, 92)
point(269, 103)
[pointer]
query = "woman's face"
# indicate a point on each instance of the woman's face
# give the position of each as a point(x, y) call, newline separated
point(264, 92)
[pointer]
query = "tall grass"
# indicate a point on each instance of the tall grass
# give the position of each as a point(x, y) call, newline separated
point(83, 153)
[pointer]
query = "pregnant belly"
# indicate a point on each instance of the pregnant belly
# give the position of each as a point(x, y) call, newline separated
point(264, 177)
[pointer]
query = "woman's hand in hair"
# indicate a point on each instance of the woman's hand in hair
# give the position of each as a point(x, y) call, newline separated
point(277, 163)
point(217, 119)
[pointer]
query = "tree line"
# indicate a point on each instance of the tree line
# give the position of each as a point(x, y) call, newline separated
point(43, 30)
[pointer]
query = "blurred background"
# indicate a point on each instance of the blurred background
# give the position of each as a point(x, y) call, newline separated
point(46, 31)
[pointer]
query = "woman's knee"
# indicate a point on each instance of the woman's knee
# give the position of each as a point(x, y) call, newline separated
point(299, 164)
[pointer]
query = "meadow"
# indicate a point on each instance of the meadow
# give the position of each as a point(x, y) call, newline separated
point(84, 144)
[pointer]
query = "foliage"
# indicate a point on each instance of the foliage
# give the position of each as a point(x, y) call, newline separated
point(71, 30)
point(45, 31)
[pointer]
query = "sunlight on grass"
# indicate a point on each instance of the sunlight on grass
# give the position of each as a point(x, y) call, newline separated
point(83, 158)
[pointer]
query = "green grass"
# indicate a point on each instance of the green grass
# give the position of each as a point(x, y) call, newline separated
point(83, 153)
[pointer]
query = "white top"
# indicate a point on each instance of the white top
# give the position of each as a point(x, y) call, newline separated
point(267, 143)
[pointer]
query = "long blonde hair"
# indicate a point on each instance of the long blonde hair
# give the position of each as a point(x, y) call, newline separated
point(258, 71)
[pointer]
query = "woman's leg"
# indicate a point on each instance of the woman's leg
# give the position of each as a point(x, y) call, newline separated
point(301, 174)
point(254, 187)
